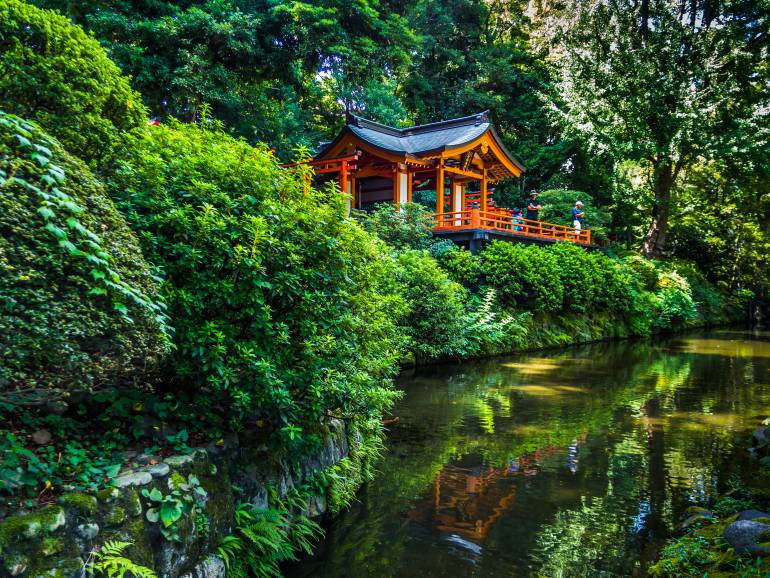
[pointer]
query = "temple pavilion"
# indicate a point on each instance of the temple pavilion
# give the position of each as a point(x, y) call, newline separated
point(458, 159)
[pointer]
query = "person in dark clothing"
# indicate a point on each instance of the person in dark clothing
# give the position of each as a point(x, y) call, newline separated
point(533, 213)
point(533, 208)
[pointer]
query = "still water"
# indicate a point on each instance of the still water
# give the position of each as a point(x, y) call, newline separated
point(576, 462)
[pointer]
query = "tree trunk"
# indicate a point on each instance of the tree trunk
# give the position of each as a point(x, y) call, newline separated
point(663, 180)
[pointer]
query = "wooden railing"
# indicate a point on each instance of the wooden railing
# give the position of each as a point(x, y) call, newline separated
point(501, 220)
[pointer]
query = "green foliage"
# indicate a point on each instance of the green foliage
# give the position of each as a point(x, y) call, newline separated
point(526, 277)
point(434, 320)
point(266, 537)
point(186, 499)
point(404, 227)
point(54, 73)
point(283, 308)
point(108, 561)
point(729, 505)
point(488, 331)
point(675, 306)
point(341, 481)
point(612, 53)
point(684, 557)
point(643, 270)
point(25, 474)
point(580, 275)
point(78, 306)
point(257, 63)
point(462, 267)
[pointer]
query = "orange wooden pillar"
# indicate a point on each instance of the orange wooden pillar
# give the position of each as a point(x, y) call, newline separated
point(484, 197)
point(344, 176)
point(344, 183)
point(440, 193)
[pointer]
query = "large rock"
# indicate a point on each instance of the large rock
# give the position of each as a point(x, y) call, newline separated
point(753, 515)
point(748, 537)
point(211, 567)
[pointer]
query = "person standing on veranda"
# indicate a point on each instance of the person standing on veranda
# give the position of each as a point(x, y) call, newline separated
point(533, 213)
point(577, 217)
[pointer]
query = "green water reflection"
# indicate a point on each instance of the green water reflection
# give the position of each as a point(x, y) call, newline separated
point(570, 463)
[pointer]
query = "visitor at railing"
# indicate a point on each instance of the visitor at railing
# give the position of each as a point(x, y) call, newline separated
point(533, 213)
point(577, 217)
point(533, 208)
point(516, 219)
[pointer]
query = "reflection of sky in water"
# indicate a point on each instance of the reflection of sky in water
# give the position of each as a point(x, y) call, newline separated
point(567, 463)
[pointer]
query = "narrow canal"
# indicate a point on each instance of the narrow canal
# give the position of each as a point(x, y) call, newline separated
point(565, 463)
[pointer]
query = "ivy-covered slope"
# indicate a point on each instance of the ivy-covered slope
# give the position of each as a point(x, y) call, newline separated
point(77, 300)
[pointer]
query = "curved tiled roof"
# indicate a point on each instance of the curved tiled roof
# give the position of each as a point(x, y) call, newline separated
point(422, 140)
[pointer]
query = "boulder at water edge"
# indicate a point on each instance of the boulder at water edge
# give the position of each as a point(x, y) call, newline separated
point(748, 536)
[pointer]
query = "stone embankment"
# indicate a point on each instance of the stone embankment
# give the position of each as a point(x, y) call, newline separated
point(55, 541)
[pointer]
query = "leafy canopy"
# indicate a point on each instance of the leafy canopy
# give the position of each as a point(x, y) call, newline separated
point(54, 73)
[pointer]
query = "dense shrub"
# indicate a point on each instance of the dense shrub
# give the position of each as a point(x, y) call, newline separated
point(283, 308)
point(406, 226)
point(643, 270)
point(76, 296)
point(675, 306)
point(52, 72)
point(462, 266)
point(614, 285)
point(579, 275)
point(435, 319)
point(526, 277)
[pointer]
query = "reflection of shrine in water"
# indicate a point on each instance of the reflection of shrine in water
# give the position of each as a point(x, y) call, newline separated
point(469, 499)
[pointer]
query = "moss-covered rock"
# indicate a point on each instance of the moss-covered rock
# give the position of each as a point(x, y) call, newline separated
point(83, 504)
point(31, 525)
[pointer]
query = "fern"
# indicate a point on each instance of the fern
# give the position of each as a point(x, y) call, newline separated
point(109, 562)
point(266, 537)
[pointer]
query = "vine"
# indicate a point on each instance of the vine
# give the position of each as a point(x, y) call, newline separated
point(60, 214)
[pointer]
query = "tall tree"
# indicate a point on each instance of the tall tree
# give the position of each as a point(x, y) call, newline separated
point(662, 83)
point(476, 55)
point(257, 63)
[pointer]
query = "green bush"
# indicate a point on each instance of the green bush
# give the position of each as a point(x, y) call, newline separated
point(77, 309)
point(283, 308)
point(489, 331)
point(407, 226)
point(54, 73)
point(644, 305)
point(579, 274)
point(643, 270)
point(675, 306)
point(526, 277)
point(462, 267)
point(435, 318)
point(614, 285)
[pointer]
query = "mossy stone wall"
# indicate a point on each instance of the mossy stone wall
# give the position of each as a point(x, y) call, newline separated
point(55, 540)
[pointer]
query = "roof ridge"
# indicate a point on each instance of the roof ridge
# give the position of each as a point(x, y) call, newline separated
point(474, 119)
point(362, 122)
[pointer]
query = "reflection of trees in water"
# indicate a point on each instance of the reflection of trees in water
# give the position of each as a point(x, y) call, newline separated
point(660, 427)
